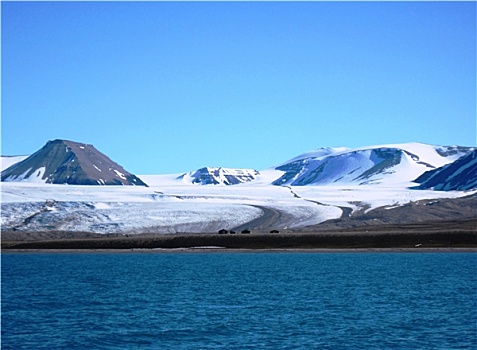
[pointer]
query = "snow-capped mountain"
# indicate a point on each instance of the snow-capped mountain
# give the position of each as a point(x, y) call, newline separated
point(68, 162)
point(397, 163)
point(219, 176)
point(460, 175)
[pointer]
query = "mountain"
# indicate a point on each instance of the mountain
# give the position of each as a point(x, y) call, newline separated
point(219, 176)
point(68, 162)
point(460, 175)
point(397, 163)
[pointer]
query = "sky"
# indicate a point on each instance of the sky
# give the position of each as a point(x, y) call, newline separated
point(170, 87)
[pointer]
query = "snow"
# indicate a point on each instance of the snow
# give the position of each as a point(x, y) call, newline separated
point(119, 209)
point(35, 177)
point(268, 176)
point(161, 180)
point(370, 197)
point(427, 153)
point(318, 153)
point(101, 205)
point(166, 208)
point(120, 174)
point(7, 162)
point(18, 178)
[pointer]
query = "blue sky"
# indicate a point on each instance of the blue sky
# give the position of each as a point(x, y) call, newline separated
point(169, 87)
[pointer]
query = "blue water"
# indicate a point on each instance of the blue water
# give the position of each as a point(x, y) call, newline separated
point(239, 301)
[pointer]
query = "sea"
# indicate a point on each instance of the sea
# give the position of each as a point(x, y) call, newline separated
point(220, 300)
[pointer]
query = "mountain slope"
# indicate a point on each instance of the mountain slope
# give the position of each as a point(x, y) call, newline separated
point(371, 165)
point(461, 175)
point(68, 162)
point(219, 176)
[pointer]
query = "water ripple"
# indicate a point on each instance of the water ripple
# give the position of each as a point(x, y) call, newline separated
point(239, 301)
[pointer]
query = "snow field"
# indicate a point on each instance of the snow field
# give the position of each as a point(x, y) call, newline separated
point(186, 208)
point(371, 197)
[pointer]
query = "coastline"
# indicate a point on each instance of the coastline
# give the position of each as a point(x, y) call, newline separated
point(430, 236)
point(399, 240)
point(221, 250)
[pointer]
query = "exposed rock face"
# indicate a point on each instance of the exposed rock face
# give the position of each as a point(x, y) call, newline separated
point(220, 176)
point(460, 175)
point(73, 163)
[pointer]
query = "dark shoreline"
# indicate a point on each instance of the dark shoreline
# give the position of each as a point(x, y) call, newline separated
point(290, 241)
point(460, 234)
point(222, 250)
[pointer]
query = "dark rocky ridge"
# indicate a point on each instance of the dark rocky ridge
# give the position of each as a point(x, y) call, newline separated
point(460, 175)
point(73, 163)
point(225, 176)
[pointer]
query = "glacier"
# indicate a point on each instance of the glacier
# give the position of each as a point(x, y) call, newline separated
point(185, 208)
